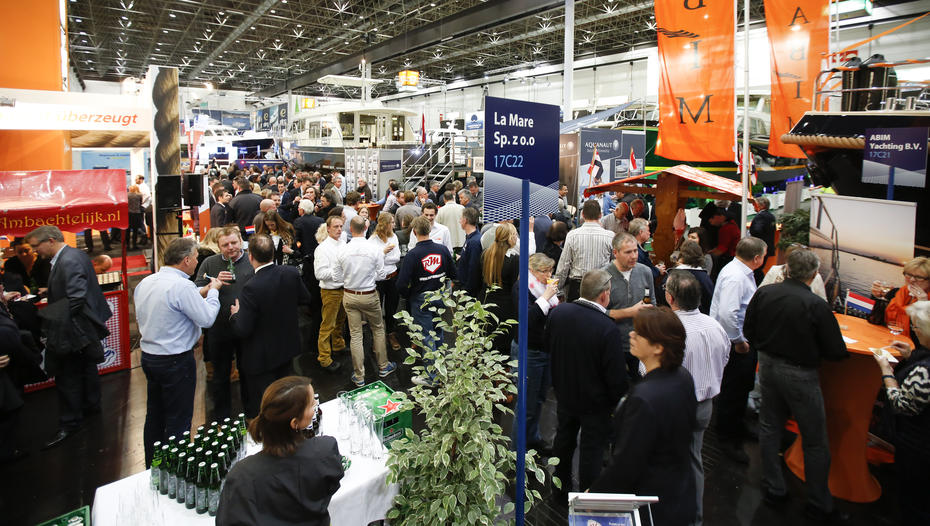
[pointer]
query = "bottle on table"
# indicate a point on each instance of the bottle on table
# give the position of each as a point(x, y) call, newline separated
point(647, 299)
point(190, 477)
point(173, 473)
point(155, 468)
point(203, 485)
point(213, 497)
point(180, 471)
point(163, 470)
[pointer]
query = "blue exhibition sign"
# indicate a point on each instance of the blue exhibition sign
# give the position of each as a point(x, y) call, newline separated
point(521, 141)
point(903, 149)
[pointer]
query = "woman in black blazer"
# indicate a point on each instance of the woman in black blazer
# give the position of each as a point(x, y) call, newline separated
point(293, 478)
point(654, 424)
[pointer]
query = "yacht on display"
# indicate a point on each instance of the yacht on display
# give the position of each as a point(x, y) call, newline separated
point(317, 138)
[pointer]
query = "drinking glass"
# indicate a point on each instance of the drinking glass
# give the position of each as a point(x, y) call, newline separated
point(896, 325)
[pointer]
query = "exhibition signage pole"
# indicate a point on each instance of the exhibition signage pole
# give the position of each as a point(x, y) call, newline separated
point(746, 159)
point(521, 166)
point(568, 66)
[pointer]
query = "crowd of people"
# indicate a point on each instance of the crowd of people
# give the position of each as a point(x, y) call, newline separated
point(663, 346)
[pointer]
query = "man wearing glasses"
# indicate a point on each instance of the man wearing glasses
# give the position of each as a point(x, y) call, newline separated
point(75, 322)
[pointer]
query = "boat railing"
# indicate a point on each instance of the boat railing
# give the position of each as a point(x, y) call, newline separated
point(870, 88)
point(435, 162)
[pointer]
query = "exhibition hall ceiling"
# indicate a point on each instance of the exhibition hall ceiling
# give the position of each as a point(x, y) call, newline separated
point(263, 45)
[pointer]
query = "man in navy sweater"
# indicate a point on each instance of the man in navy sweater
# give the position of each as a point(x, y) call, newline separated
point(422, 271)
point(468, 267)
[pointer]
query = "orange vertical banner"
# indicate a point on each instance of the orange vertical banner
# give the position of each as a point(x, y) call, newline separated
point(798, 33)
point(696, 90)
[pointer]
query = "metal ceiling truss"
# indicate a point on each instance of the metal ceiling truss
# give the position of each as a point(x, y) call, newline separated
point(272, 46)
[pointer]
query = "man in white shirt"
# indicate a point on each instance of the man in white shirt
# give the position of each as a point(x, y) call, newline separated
point(732, 292)
point(450, 216)
point(359, 265)
point(707, 350)
point(334, 315)
point(350, 210)
point(586, 248)
point(438, 233)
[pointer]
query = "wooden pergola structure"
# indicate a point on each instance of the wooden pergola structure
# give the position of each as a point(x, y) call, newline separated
point(672, 188)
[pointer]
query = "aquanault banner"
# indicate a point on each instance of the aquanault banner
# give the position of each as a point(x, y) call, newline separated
point(798, 36)
point(696, 98)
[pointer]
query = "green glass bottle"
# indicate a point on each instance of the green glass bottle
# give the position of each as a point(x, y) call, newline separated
point(181, 481)
point(231, 267)
point(172, 468)
point(190, 477)
point(185, 438)
point(214, 490)
point(203, 484)
point(155, 468)
point(163, 470)
point(225, 451)
point(208, 456)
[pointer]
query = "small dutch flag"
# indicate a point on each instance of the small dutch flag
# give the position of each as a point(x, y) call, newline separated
point(859, 302)
point(250, 229)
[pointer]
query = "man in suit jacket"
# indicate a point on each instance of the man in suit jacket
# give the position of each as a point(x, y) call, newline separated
point(305, 228)
point(588, 375)
point(244, 206)
point(73, 359)
point(265, 317)
point(220, 212)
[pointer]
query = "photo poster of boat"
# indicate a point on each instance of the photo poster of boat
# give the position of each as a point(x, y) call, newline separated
point(861, 240)
point(272, 117)
point(593, 170)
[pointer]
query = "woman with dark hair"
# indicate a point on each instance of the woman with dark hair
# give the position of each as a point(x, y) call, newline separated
point(500, 267)
point(293, 478)
point(555, 238)
point(699, 236)
point(691, 259)
point(651, 455)
point(281, 232)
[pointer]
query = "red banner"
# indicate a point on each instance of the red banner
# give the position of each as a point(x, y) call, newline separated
point(72, 200)
point(696, 97)
point(798, 33)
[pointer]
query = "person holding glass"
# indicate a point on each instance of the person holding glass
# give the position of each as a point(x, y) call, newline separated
point(908, 390)
point(293, 478)
point(542, 298)
point(916, 287)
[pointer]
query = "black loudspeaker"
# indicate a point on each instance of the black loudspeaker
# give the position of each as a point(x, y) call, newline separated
point(168, 192)
point(193, 189)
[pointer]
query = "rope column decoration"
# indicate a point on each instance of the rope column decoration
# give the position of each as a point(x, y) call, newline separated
point(167, 151)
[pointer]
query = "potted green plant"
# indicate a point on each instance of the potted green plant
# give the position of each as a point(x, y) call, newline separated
point(795, 228)
point(455, 468)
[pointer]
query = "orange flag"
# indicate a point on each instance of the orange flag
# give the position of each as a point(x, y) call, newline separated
point(798, 33)
point(696, 97)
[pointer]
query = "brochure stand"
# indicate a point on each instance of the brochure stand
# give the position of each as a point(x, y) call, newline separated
point(607, 509)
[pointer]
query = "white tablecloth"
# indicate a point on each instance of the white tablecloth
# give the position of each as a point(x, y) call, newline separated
point(363, 496)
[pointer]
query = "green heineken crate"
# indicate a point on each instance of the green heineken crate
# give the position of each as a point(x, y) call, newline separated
point(78, 517)
point(383, 404)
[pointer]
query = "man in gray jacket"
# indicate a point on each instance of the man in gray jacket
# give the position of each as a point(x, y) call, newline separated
point(630, 284)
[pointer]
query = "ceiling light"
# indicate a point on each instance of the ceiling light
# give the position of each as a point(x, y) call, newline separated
point(78, 20)
point(253, 27)
point(208, 85)
point(345, 23)
point(209, 30)
point(164, 31)
point(298, 25)
point(319, 38)
point(222, 13)
point(82, 33)
point(360, 17)
point(432, 4)
point(84, 41)
point(347, 41)
point(273, 11)
point(125, 17)
point(172, 15)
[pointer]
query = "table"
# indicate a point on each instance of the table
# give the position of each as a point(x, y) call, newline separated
point(363, 496)
point(849, 391)
point(373, 209)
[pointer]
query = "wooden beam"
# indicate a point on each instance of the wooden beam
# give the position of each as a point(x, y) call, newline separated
point(627, 189)
point(705, 194)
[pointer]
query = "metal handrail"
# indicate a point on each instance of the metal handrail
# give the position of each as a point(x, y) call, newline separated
point(817, 101)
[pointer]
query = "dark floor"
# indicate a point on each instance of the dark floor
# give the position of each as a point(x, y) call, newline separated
point(48, 483)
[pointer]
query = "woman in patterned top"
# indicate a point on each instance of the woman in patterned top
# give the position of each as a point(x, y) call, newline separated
point(908, 390)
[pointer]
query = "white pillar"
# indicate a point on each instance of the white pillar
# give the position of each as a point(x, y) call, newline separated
point(569, 61)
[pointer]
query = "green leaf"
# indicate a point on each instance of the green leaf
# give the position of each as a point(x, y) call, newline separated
point(410, 360)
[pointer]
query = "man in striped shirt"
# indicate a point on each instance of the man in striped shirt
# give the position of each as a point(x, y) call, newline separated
point(586, 248)
point(707, 349)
